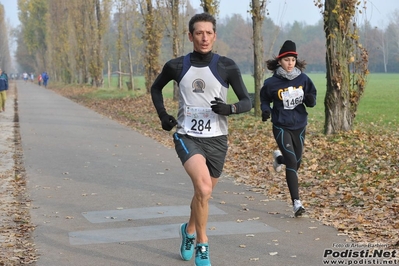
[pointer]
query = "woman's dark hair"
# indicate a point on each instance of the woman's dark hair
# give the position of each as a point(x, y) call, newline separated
point(272, 64)
point(206, 17)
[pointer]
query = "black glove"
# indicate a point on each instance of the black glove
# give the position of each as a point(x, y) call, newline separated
point(167, 121)
point(220, 107)
point(265, 115)
point(310, 100)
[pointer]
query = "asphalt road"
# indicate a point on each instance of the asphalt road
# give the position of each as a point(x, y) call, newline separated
point(102, 194)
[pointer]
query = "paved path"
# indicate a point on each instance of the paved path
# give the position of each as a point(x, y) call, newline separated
point(102, 194)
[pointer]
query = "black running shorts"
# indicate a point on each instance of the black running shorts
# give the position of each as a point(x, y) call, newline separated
point(213, 149)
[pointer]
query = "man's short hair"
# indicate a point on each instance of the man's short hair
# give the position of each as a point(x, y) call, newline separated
point(205, 17)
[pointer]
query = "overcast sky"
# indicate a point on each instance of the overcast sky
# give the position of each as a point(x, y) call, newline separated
point(379, 12)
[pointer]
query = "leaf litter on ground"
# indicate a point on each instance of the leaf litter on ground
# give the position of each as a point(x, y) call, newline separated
point(16, 245)
point(348, 180)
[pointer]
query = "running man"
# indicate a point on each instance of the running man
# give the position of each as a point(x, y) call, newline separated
point(201, 136)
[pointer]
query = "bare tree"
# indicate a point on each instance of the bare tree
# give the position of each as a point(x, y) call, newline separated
point(152, 36)
point(380, 39)
point(98, 19)
point(121, 7)
point(5, 58)
point(210, 6)
point(346, 62)
point(60, 59)
point(34, 27)
point(127, 21)
point(131, 41)
point(173, 6)
point(79, 19)
point(393, 37)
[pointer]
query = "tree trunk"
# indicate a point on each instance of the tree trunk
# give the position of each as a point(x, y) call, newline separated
point(176, 41)
point(152, 36)
point(101, 12)
point(346, 67)
point(130, 59)
point(131, 77)
point(109, 74)
point(258, 15)
point(120, 85)
point(119, 46)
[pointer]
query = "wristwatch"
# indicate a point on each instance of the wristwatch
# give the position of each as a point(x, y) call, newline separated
point(233, 109)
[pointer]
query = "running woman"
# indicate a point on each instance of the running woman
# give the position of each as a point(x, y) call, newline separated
point(290, 90)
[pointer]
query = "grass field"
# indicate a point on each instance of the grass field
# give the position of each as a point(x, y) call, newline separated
point(378, 106)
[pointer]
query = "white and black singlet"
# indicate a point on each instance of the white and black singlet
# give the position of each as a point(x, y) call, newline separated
point(201, 78)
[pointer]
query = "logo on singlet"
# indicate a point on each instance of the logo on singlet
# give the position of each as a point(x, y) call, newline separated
point(198, 86)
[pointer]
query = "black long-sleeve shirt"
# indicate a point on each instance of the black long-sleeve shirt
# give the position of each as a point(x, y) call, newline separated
point(226, 67)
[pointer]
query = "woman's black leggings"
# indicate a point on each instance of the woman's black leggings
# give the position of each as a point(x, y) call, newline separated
point(290, 143)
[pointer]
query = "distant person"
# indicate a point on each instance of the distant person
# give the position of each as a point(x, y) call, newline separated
point(3, 89)
point(290, 90)
point(39, 79)
point(200, 139)
point(25, 76)
point(45, 78)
